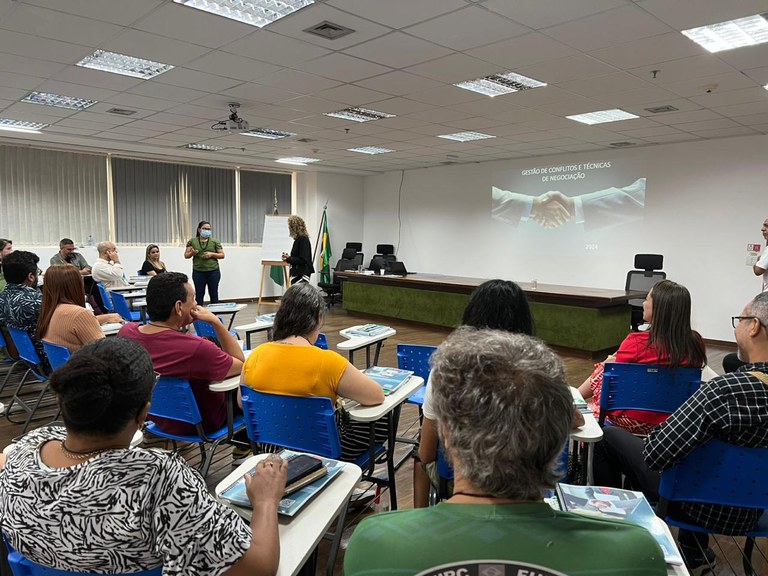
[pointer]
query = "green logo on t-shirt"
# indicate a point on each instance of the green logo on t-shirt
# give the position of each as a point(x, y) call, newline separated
point(490, 568)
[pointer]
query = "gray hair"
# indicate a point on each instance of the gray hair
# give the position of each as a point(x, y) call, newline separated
point(103, 246)
point(505, 407)
point(301, 311)
point(759, 307)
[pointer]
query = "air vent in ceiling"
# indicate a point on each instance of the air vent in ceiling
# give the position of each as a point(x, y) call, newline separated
point(121, 111)
point(622, 144)
point(660, 109)
point(329, 30)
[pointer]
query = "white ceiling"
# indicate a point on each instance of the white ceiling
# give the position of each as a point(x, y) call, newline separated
point(402, 59)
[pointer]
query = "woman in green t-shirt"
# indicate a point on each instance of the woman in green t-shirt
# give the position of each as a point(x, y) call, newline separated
point(205, 252)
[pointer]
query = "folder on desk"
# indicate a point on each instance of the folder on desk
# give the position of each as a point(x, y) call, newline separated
point(389, 379)
point(368, 330)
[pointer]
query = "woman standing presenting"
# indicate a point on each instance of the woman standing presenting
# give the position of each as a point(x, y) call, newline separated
point(300, 257)
point(205, 252)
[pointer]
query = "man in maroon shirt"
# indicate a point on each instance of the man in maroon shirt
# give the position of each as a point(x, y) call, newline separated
point(171, 306)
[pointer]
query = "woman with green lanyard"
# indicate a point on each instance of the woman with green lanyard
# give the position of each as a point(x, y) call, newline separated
point(205, 252)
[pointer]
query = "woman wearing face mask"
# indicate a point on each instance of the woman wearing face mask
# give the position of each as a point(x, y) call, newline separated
point(205, 252)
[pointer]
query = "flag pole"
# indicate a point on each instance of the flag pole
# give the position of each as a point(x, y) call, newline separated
point(320, 231)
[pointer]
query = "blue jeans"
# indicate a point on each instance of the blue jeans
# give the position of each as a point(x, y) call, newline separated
point(203, 279)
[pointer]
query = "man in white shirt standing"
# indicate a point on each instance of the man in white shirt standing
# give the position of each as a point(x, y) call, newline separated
point(107, 268)
point(761, 266)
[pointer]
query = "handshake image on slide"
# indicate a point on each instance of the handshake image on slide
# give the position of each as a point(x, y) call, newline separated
point(552, 209)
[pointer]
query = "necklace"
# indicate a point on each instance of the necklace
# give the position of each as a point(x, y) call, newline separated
point(75, 455)
point(156, 325)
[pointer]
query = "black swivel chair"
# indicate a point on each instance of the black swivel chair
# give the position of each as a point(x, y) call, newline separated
point(385, 253)
point(646, 275)
point(349, 261)
point(358, 248)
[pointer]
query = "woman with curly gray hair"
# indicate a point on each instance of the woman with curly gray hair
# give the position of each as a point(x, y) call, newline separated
point(504, 412)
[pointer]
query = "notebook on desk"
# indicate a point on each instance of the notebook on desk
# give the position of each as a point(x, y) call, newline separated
point(222, 305)
point(390, 379)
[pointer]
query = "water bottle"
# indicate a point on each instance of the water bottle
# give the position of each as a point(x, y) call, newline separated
point(89, 240)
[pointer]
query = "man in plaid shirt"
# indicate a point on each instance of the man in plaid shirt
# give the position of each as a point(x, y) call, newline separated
point(732, 408)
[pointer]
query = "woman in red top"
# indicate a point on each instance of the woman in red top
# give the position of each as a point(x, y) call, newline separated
point(669, 342)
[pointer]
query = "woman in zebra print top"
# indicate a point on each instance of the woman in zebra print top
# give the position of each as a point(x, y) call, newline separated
point(77, 498)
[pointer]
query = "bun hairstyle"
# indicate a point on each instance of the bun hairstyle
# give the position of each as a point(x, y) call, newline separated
point(104, 386)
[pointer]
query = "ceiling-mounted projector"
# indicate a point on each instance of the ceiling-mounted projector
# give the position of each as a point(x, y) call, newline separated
point(234, 123)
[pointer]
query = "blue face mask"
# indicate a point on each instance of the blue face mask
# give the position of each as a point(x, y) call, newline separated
point(205, 233)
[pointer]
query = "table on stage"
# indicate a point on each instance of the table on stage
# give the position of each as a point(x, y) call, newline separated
point(590, 319)
point(300, 535)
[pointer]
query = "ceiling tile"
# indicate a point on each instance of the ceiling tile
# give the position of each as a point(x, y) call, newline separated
point(31, 66)
point(455, 68)
point(342, 67)
point(398, 13)
point(445, 96)
point(115, 11)
point(192, 25)
point(299, 82)
point(699, 85)
point(522, 50)
point(727, 97)
point(165, 92)
point(568, 68)
point(645, 98)
point(398, 83)
point(21, 81)
point(96, 78)
point(295, 24)
point(467, 28)
point(58, 26)
point(312, 105)
point(232, 66)
point(743, 109)
point(76, 90)
point(610, 83)
point(608, 28)
point(684, 68)
point(544, 13)
point(397, 50)
point(196, 80)
point(693, 13)
point(269, 47)
point(35, 47)
point(351, 95)
point(726, 132)
point(154, 47)
point(648, 51)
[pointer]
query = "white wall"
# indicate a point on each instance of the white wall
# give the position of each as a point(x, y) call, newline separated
point(705, 201)
point(240, 269)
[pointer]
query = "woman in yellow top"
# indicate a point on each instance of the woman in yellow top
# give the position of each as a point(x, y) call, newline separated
point(205, 252)
point(292, 365)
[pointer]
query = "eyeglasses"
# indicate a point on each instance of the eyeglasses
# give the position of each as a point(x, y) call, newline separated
point(736, 319)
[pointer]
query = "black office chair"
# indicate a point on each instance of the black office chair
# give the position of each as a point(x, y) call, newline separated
point(647, 274)
point(385, 253)
point(349, 261)
point(358, 248)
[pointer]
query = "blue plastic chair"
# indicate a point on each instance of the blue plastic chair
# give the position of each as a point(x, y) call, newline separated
point(105, 297)
point(646, 387)
point(35, 366)
point(20, 566)
point(416, 357)
point(205, 329)
point(57, 355)
point(122, 307)
point(322, 341)
point(173, 399)
point(719, 472)
point(303, 423)
point(12, 359)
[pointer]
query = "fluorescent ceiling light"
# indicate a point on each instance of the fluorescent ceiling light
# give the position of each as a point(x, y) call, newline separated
point(298, 160)
point(498, 84)
point(602, 116)
point(57, 100)
point(123, 64)
point(747, 31)
point(370, 150)
point(207, 147)
point(254, 12)
point(268, 134)
point(359, 114)
point(21, 126)
point(466, 136)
